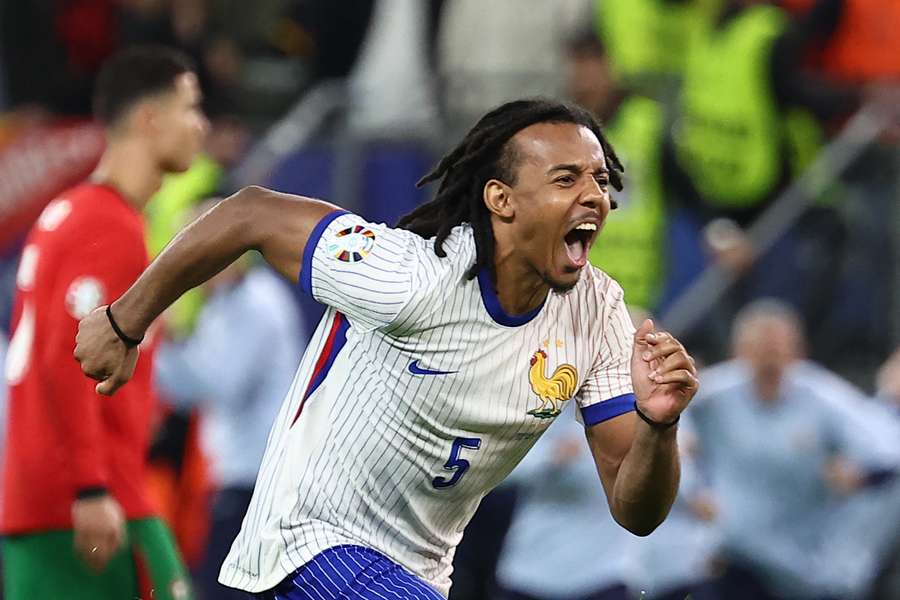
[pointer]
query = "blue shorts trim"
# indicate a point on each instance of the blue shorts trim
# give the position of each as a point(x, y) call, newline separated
point(351, 573)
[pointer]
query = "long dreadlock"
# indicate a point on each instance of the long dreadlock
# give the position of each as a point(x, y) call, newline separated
point(485, 154)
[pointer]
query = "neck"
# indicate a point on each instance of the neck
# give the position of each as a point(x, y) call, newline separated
point(768, 389)
point(519, 287)
point(611, 106)
point(124, 166)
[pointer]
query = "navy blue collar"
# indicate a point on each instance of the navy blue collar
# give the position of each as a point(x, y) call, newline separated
point(492, 303)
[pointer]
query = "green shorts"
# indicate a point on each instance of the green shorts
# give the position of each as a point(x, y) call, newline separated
point(45, 566)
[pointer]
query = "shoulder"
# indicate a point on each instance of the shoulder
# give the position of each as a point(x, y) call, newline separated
point(722, 379)
point(422, 259)
point(91, 212)
point(826, 385)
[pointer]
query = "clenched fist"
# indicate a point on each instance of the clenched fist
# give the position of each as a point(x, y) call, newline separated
point(103, 356)
point(663, 374)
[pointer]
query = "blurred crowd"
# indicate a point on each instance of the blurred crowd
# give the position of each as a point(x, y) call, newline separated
point(760, 221)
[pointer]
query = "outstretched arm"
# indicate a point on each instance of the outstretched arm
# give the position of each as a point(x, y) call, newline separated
point(638, 462)
point(277, 225)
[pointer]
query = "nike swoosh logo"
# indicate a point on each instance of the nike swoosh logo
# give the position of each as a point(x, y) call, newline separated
point(415, 369)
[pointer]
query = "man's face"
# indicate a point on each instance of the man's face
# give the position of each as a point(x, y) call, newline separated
point(589, 80)
point(769, 346)
point(559, 201)
point(179, 124)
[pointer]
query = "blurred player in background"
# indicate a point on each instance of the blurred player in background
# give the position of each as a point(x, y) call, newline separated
point(75, 515)
point(450, 344)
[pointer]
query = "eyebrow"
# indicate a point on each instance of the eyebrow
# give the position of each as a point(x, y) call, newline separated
point(576, 168)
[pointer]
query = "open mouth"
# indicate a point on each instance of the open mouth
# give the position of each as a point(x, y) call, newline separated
point(578, 242)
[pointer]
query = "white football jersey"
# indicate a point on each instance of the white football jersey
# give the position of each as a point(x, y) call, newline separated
point(416, 396)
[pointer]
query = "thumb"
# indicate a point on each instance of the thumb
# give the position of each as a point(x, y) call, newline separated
point(121, 375)
point(640, 336)
point(108, 386)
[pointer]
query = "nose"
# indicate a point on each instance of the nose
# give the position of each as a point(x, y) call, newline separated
point(594, 195)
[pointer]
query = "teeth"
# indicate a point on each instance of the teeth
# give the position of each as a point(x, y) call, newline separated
point(587, 227)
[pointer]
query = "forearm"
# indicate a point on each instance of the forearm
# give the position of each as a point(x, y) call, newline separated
point(253, 219)
point(647, 480)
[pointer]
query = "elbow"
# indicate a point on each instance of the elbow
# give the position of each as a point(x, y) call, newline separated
point(637, 523)
point(244, 203)
point(244, 213)
point(641, 529)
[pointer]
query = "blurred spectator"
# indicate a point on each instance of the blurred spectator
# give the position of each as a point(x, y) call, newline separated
point(563, 543)
point(858, 45)
point(781, 447)
point(477, 555)
point(676, 561)
point(178, 474)
point(392, 91)
point(338, 30)
point(747, 124)
point(631, 247)
point(648, 40)
point(236, 367)
point(168, 210)
point(889, 381)
point(489, 53)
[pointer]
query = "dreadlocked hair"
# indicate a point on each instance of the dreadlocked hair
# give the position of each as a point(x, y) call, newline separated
point(485, 154)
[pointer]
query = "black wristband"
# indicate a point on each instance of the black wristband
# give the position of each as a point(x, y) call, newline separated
point(655, 424)
point(91, 492)
point(128, 341)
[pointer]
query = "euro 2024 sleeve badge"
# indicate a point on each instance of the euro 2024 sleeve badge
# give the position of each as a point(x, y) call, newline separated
point(352, 244)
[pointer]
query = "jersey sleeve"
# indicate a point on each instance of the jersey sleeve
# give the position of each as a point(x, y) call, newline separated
point(608, 391)
point(365, 271)
point(95, 266)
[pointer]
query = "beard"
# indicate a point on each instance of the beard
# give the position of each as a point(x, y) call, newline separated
point(557, 286)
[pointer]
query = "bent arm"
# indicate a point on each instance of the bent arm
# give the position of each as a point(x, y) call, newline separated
point(639, 468)
point(277, 225)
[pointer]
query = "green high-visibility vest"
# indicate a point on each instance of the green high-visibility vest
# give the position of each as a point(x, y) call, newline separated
point(629, 248)
point(731, 136)
point(647, 40)
point(167, 212)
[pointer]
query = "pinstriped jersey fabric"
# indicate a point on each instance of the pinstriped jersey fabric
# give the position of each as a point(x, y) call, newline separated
point(416, 396)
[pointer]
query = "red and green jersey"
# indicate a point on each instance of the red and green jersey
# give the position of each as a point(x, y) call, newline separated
point(84, 251)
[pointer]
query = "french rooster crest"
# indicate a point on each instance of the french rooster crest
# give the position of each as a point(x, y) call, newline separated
point(553, 390)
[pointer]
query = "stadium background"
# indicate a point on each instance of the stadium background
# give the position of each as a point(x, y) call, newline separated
point(352, 101)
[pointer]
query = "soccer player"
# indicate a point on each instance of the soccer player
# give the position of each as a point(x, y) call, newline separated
point(449, 346)
point(77, 520)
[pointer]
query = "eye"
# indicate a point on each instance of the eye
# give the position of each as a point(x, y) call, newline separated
point(602, 179)
point(565, 180)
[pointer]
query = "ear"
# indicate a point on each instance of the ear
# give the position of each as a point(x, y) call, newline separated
point(141, 118)
point(497, 198)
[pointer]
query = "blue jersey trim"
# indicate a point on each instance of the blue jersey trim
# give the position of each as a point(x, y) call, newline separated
point(305, 279)
point(606, 410)
point(492, 303)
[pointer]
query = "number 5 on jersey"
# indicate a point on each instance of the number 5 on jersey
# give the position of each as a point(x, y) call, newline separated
point(456, 465)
